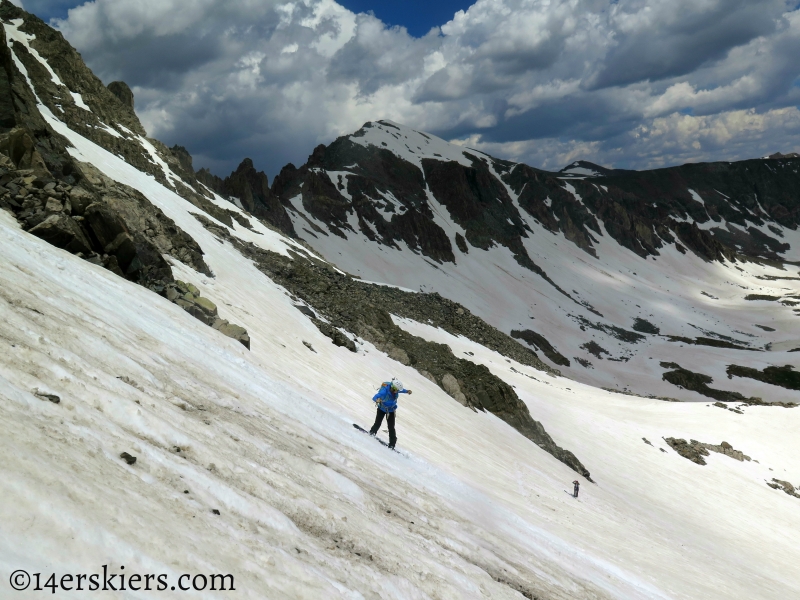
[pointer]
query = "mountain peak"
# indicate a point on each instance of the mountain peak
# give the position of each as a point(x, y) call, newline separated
point(410, 144)
point(245, 165)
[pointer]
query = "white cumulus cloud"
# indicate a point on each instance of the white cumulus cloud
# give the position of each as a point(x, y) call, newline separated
point(628, 83)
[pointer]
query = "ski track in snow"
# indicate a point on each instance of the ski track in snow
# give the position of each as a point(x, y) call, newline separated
point(265, 436)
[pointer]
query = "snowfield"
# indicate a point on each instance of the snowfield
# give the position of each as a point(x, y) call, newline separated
point(247, 462)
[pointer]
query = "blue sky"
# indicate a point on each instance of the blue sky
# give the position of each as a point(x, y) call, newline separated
point(624, 83)
point(418, 16)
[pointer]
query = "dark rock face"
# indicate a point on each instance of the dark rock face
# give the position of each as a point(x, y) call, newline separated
point(111, 121)
point(714, 343)
point(595, 349)
point(539, 341)
point(123, 93)
point(181, 154)
point(211, 181)
point(251, 187)
point(125, 210)
point(736, 192)
point(76, 77)
point(645, 326)
point(698, 382)
point(784, 376)
point(97, 229)
point(411, 219)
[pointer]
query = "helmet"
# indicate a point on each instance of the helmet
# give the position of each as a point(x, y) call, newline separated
point(397, 384)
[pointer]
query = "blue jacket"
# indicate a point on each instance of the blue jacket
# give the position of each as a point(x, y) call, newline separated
point(386, 398)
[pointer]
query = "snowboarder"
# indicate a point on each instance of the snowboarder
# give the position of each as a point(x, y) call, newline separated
point(576, 485)
point(386, 401)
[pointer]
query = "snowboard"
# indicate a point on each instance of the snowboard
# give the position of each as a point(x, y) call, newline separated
point(382, 442)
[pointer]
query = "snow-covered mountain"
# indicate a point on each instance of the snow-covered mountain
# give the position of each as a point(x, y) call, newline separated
point(643, 282)
point(180, 372)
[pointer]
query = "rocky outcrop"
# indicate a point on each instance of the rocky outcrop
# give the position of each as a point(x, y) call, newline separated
point(82, 221)
point(211, 181)
point(697, 382)
point(784, 376)
point(695, 451)
point(539, 341)
point(785, 486)
point(251, 188)
point(188, 297)
point(74, 206)
point(123, 93)
point(139, 216)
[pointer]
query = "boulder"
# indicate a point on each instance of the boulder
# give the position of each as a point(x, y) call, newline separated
point(199, 314)
point(123, 248)
point(63, 232)
point(235, 332)
point(207, 305)
point(450, 384)
point(53, 206)
point(110, 263)
point(20, 147)
point(428, 376)
point(398, 354)
point(104, 223)
point(461, 398)
point(128, 458)
point(80, 200)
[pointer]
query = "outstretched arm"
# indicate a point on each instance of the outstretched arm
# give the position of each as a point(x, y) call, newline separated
point(404, 392)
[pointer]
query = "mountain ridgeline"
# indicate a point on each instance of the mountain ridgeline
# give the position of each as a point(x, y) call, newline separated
point(707, 208)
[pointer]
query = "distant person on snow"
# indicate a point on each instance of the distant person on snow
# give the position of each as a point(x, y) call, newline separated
point(577, 485)
point(386, 401)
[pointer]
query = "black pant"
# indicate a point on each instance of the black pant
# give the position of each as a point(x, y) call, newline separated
point(389, 421)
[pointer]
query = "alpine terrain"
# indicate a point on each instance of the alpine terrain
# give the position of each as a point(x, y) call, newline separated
point(184, 357)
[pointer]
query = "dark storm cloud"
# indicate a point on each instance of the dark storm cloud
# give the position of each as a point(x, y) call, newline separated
point(157, 62)
point(678, 37)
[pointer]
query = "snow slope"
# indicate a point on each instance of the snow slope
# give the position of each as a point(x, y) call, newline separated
point(265, 438)
point(309, 507)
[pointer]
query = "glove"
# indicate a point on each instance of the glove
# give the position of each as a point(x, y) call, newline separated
point(409, 392)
